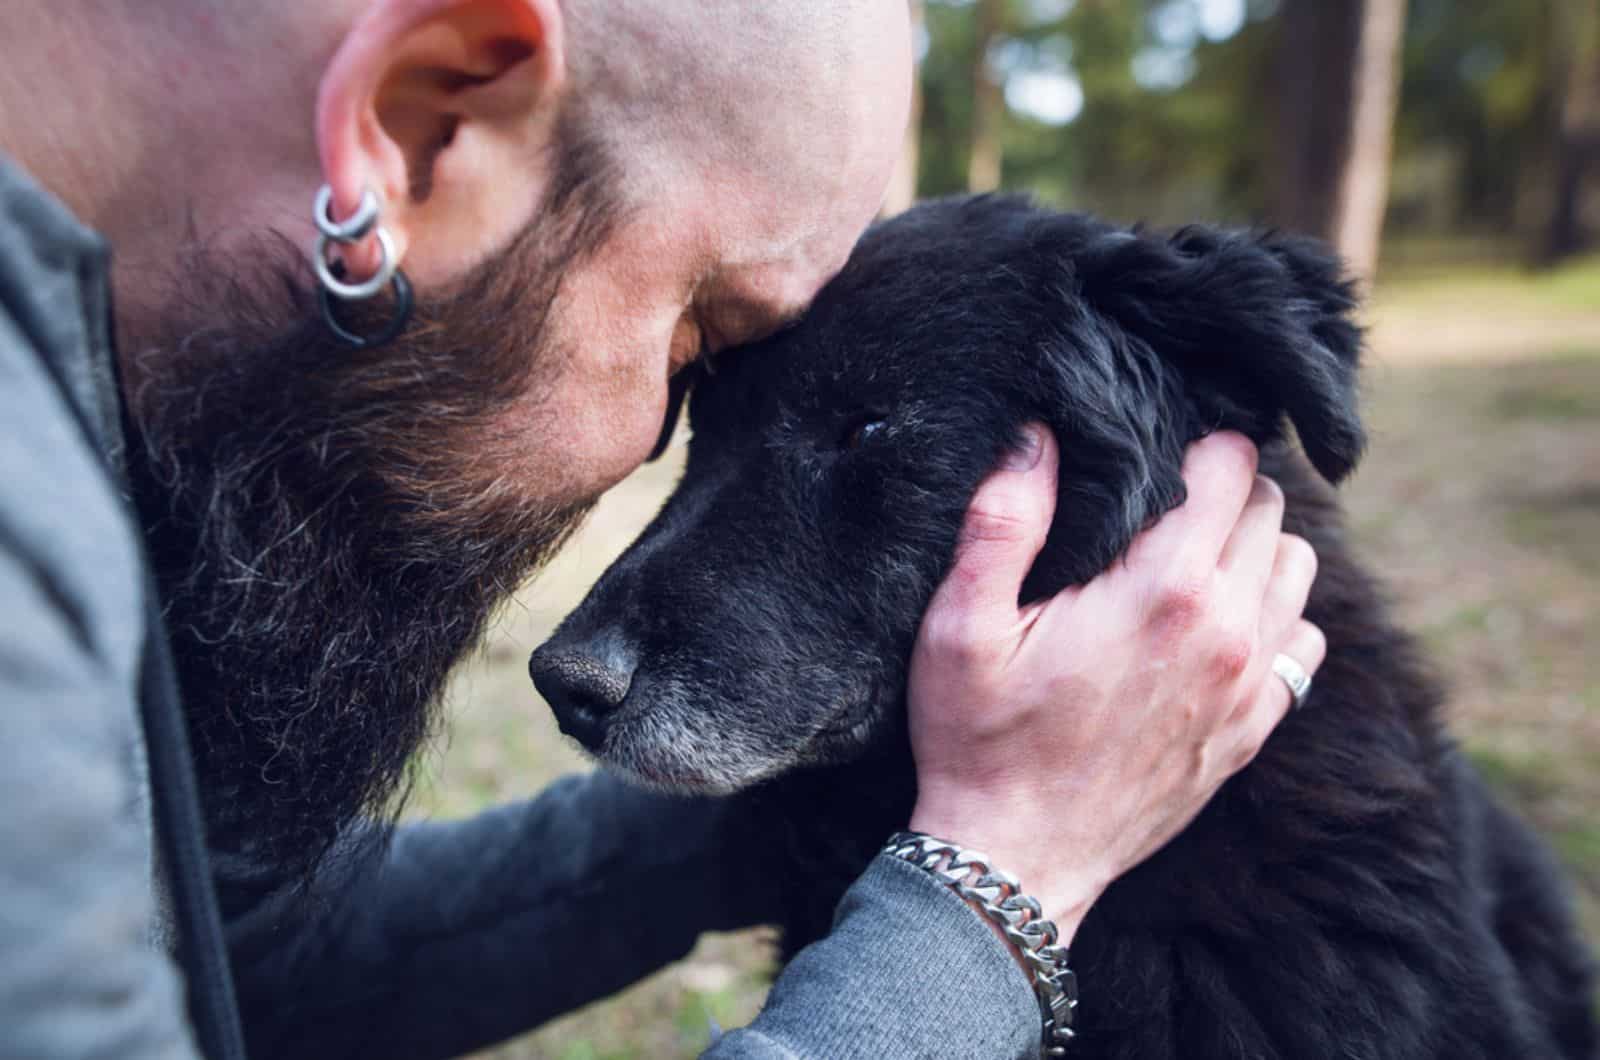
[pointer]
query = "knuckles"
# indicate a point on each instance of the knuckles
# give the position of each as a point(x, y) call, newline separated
point(1187, 611)
point(1225, 453)
point(954, 637)
point(1231, 654)
point(1183, 606)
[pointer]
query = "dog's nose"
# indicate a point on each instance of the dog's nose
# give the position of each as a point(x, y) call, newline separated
point(583, 688)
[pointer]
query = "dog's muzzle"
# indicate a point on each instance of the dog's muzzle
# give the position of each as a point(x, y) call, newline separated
point(584, 685)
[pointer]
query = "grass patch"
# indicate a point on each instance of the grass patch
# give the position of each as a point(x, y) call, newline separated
point(1574, 286)
point(1579, 846)
point(697, 1012)
point(1523, 776)
point(1567, 525)
point(587, 1050)
point(1571, 287)
point(1547, 403)
point(1467, 620)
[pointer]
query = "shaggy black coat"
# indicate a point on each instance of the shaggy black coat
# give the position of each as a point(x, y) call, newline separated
point(1353, 893)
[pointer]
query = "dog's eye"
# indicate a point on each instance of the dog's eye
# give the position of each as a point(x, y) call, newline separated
point(863, 432)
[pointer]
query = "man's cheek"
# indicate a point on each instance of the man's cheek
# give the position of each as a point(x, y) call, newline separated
point(572, 446)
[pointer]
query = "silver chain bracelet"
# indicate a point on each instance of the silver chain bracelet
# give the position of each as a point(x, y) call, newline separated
point(1017, 915)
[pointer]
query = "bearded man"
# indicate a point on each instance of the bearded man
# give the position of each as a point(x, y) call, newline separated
point(249, 521)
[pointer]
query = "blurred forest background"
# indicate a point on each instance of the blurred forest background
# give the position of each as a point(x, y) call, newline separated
point(1468, 120)
point(1451, 150)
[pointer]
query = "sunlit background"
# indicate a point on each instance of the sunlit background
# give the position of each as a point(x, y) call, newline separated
point(1451, 149)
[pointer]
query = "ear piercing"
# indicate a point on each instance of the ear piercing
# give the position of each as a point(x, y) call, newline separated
point(330, 275)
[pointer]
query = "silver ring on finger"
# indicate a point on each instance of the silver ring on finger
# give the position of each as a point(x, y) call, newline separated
point(1294, 675)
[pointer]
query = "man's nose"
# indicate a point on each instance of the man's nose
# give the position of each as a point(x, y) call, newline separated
point(584, 683)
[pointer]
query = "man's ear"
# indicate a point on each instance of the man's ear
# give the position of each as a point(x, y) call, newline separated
point(1258, 326)
point(441, 107)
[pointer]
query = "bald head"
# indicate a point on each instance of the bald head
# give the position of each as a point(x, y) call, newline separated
point(803, 96)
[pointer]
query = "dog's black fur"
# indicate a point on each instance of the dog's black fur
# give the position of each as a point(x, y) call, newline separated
point(1354, 892)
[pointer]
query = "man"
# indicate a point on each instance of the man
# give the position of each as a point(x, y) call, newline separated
point(331, 494)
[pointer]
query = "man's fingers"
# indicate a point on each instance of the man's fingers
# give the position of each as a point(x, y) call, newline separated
point(1249, 554)
point(1307, 646)
point(1218, 473)
point(1294, 569)
point(1280, 621)
point(1005, 528)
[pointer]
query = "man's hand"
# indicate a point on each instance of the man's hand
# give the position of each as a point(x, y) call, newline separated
point(1070, 739)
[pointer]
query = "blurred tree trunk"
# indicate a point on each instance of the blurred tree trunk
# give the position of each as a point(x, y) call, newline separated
point(903, 184)
point(1338, 76)
point(988, 100)
point(1577, 128)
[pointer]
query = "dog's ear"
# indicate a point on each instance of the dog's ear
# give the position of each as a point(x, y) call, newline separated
point(1259, 326)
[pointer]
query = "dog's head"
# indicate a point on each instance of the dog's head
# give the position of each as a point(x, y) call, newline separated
point(764, 620)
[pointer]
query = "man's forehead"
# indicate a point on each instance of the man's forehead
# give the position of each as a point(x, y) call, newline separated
point(767, 281)
point(745, 304)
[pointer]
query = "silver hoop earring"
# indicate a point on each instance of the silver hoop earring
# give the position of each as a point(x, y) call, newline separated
point(353, 228)
point(330, 276)
point(356, 292)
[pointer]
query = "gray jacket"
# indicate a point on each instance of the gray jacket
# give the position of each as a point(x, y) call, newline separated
point(463, 933)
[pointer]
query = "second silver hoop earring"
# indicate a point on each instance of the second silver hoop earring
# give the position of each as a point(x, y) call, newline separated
point(355, 292)
point(331, 283)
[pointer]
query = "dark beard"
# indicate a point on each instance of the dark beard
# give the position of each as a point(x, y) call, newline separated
point(331, 533)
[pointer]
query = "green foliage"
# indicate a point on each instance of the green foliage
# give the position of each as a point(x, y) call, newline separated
point(1477, 109)
point(1164, 150)
point(1176, 120)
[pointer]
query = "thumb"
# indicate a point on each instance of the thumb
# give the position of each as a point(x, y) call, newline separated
point(1005, 528)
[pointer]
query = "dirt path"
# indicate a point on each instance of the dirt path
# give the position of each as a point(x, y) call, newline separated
point(1480, 505)
point(1478, 322)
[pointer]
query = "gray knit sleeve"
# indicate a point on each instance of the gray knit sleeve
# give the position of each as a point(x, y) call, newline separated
point(78, 975)
point(908, 971)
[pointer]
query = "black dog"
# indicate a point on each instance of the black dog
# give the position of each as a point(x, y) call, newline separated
point(1352, 893)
